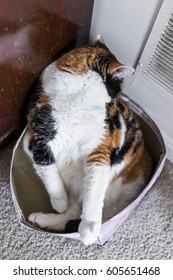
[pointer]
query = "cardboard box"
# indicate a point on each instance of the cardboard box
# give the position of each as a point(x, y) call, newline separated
point(29, 194)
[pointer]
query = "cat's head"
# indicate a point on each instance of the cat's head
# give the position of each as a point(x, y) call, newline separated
point(111, 70)
point(98, 58)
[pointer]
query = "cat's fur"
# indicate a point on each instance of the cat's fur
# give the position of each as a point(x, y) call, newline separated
point(85, 143)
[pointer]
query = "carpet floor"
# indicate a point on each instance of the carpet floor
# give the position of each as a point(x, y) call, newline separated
point(146, 234)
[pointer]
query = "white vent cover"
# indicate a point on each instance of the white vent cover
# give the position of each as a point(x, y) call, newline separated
point(155, 67)
point(152, 83)
point(160, 66)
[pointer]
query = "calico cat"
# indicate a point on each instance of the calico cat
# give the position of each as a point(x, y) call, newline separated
point(85, 143)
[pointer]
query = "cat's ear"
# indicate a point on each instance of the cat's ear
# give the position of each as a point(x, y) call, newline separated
point(121, 71)
point(99, 39)
point(100, 42)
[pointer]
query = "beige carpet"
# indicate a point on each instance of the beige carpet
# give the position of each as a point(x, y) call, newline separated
point(146, 234)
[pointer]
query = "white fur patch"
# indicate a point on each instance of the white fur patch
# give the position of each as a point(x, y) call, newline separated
point(80, 106)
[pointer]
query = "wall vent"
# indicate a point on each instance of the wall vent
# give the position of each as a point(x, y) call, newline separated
point(160, 66)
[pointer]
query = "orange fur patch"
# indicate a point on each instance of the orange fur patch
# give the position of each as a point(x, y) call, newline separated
point(139, 167)
point(79, 61)
point(76, 61)
point(101, 155)
point(44, 99)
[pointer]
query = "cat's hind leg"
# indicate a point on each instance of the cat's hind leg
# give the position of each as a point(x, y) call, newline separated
point(119, 195)
point(56, 222)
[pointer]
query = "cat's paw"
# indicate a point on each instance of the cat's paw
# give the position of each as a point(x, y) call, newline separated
point(59, 204)
point(50, 221)
point(89, 231)
point(39, 219)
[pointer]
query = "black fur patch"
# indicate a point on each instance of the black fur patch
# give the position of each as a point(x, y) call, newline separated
point(120, 106)
point(42, 153)
point(113, 122)
point(117, 155)
point(72, 226)
point(113, 85)
point(139, 141)
point(43, 128)
point(101, 64)
point(133, 138)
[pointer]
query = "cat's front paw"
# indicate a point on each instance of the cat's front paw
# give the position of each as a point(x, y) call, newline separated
point(89, 231)
point(59, 204)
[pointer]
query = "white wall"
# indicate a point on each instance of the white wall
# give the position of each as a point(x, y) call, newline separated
point(125, 26)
